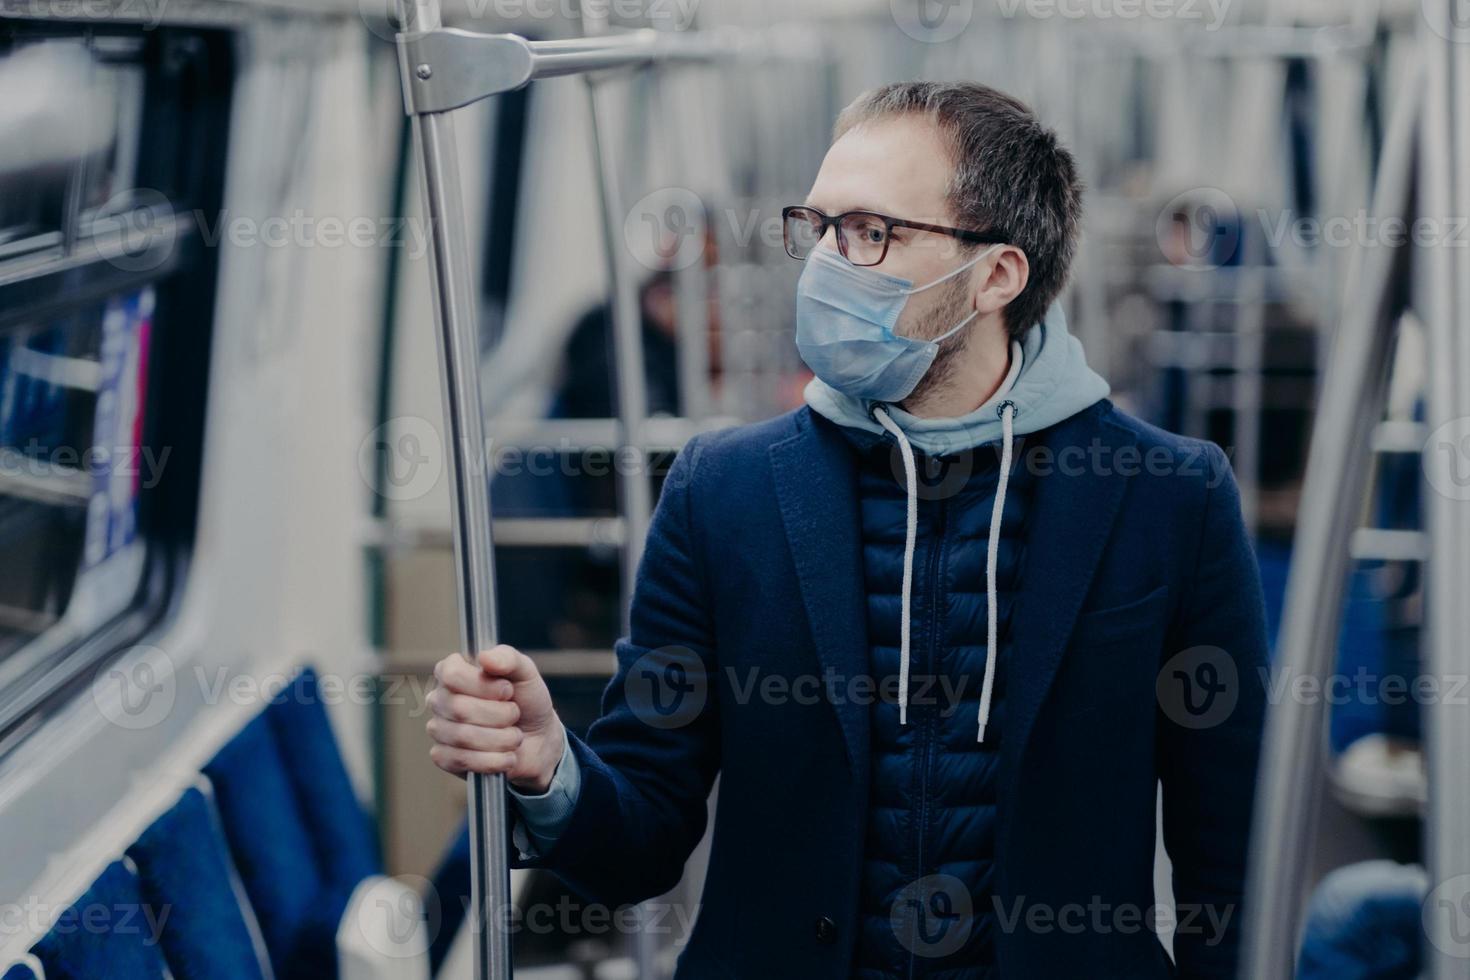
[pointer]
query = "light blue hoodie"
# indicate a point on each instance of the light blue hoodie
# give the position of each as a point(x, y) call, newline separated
point(1051, 383)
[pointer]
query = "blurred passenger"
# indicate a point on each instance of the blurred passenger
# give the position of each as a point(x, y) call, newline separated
point(586, 388)
point(569, 599)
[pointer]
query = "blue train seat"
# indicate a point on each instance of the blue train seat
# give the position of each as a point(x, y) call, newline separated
point(26, 969)
point(298, 834)
point(341, 830)
point(184, 865)
point(451, 892)
point(109, 932)
point(273, 851)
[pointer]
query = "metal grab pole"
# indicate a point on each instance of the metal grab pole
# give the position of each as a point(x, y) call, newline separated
point(441, 70)
point(461, 67)
point(630, 383)
point(691, 280)
point(630, 387)
point(1446, 720)
point(1289, 785)
point(469, 494)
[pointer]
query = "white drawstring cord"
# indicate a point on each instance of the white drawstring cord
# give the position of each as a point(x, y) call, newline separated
point(910, 534)
point(1007, 413)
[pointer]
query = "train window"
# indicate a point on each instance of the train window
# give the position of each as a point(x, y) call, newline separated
point(507, 159)
point(71, 410)
point(33, 174)
point(105, 300)
point(110, 169)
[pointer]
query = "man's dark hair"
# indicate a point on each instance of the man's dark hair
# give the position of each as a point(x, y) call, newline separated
point(1011, 173)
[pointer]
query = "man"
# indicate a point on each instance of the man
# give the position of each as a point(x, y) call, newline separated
point(943, 632)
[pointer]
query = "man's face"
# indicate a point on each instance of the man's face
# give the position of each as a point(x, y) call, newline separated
point(899, 166)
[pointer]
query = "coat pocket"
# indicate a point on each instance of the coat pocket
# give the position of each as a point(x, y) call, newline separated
point(1130, 620)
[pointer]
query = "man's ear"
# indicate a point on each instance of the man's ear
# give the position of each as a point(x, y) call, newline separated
point(1007, 275)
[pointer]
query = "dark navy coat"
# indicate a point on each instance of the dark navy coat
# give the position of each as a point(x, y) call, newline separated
point(1138, 657)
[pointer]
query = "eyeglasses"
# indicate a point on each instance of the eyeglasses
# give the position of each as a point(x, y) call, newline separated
point(862, 236)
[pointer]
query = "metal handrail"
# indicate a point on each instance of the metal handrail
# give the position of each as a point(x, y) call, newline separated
point(447, 68)
point(455, 307)
point(1443, 191)
point(630, 383)
point(1336, 483)
point(444, 69)
point(1420, 169)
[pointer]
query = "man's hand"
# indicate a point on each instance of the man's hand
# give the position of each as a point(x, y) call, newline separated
point(495, 716)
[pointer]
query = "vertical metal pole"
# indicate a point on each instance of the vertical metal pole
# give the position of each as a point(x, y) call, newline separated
point(1195, 409)
point(630, 384)
point(691, 281)
point(455, 302)
point(1446, 721)
point(1337, 474)
point(1247, 384)
point(1089, 297)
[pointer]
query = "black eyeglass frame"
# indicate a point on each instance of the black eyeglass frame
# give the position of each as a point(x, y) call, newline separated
point(889, 223)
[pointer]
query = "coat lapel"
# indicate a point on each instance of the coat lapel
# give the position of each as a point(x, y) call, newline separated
point(1078, 491)
point(816, 485)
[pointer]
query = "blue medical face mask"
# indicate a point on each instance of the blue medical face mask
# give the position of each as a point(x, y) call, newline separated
point(845, 319)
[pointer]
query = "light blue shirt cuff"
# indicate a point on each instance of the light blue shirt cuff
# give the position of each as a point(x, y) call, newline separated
point(545, 815)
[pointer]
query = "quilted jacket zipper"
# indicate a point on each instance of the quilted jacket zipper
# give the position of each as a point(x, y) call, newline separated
point(929, 712)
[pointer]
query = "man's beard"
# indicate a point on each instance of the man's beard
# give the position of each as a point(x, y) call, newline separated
point(952, 308)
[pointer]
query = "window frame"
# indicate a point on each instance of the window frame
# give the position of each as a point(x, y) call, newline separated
point(189, 76)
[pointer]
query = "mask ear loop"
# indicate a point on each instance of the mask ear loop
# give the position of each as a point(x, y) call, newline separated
point(953, 272)
point(956, 328)
point(950, 275)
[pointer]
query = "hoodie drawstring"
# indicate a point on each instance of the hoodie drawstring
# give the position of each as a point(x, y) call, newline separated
point(904, 617)
point(1007, 413)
